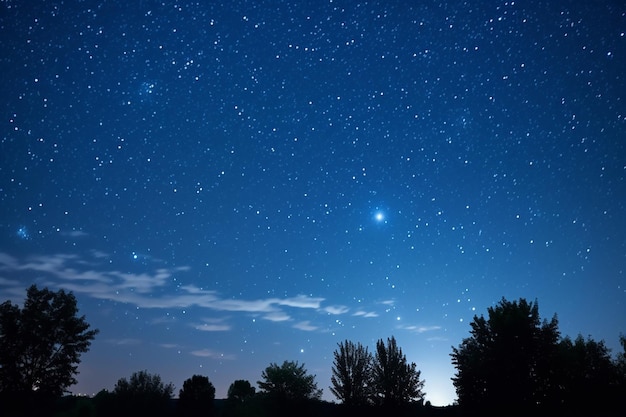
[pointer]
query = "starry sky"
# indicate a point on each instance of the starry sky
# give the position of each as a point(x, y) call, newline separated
point(226, 185)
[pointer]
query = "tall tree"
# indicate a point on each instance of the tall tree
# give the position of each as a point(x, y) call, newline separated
point(41, 344)
point(240, 390)
point(289, 381)
point(506, 363)
point(351, 374)
point(396, 382)
point(197, 396)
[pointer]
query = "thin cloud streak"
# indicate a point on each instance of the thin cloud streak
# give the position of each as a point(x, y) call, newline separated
point(212, 327)
point(305, 326)
point(420, 329)
point(336, 310)
point(135, 289)
point(366, 314)
point(207, 353)
point(88, 276)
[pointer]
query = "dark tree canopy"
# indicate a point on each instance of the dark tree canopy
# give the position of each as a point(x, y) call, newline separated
point(506, 363)
point(289, 381)
point(396, 382)
point(142, 394)
point(41, 344)
point(621, 359)
point(240, 390)
point(585, 370)
point(142, 384)
point(351, 374)
point(197, 396)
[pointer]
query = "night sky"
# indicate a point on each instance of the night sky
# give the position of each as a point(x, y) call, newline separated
point(223, 186)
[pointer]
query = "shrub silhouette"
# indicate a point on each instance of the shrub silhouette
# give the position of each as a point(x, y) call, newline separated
point(289, 381)
point(196, 397)
point(142, 394)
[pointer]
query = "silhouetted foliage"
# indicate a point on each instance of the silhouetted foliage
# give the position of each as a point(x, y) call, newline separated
point(289, 381)
point(620, 360)
point(396, 382)
point(619, 391)
point(196, 397)
point(586, 370)
point(142, 394)
point(352, 374)
point(41, 344)
point(505, 366)
point(240, 391)
point(105, 403)
point(40, 348)
point(74, 406)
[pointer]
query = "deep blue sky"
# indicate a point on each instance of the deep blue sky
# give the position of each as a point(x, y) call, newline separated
point(224, 186)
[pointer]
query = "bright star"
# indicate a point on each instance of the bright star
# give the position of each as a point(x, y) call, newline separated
point(379, 216)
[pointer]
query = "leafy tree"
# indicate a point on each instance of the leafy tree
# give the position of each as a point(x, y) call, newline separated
point(505, 366)
point(620, 361)
point(143, 383)
point(197, 396)
point(240, 390)
point(396, 382)
point(41, 344)
point(586, 371)
point(289, 381)
point(142, 394)
point(620, 387)
point(351, 374)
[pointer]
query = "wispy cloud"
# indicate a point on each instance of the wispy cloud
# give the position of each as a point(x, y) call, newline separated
point(420, 329)
point(366, 314)
point(277, 316)
point(74, 233)
point(335, 310)
point(437, 339)
point(301, 301)
point(92, 275)
point(170, 345)
point(89, 277)
point(212, 325)
point(306, 326)
point(207, 353)
point(123, 342)
point(163, 320)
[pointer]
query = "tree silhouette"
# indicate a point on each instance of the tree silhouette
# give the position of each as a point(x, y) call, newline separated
point(619, 391)
point(586, 371)
point(197, 396)
point(289, 381)
point(351, 374)
point(142, 394)
point(240, 390)
point(41, 344)
point(505, 366)
point(396, 382)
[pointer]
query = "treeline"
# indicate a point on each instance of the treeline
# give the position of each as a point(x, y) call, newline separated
point(513, 364)
point(516, 364)
point(284, 390)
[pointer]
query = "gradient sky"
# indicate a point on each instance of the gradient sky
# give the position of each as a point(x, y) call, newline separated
point(223, 186)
